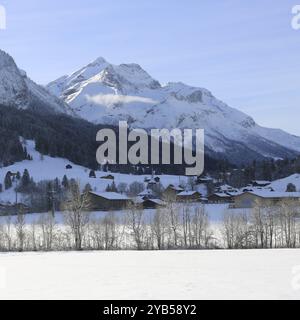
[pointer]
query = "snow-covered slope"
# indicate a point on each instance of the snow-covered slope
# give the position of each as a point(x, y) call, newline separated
point(104, 93)
point(17, 90)
point(281, 184)
point(48, 168)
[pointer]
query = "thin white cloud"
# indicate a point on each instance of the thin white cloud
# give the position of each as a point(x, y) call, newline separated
point(111, 99)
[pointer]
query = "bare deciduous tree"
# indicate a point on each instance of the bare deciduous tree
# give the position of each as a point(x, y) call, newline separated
point(47, 225)
point(135, 220)
point(172, 212)
point(20, 225)
point(76, 214)
point(159, 227)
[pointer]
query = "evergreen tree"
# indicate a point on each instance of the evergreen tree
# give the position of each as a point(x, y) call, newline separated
point(74, 187)
point(25, 181)
point(7, 181)
point(291, 188)
point(18, 176)
point(65, 182)
point(267, 172)
point(50, 196)
point(92, 174)
point(87, 188)
point(113, 187)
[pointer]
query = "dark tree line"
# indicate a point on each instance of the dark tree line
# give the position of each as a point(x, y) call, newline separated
point(59, 135)
point(56, 135)
point(11, 149)
point(268, 170)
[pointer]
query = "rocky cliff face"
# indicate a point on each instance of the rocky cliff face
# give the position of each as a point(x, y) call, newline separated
point(17, 90)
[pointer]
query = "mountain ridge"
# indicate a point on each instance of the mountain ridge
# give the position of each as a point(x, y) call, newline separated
point(104, 93)
point(17, 90)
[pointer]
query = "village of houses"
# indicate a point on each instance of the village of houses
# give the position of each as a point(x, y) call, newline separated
point(158, 192)
point(243, 198)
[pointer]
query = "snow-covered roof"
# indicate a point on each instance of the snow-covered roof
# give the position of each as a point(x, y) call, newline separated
point(157, 201)
point(261, 181)
point(176, 188)
point(234, 193)
point(111, 195)
point(205, 178)
point(187, 193)
point(147, 192)
point(138, 200)
point(281, 184)
point(272, 195)
point(226, 187)
point(222, 195)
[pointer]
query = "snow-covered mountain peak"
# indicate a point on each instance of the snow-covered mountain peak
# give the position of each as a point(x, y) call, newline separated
point(98, 61)
point(105, 93)
point(122, 79)
point(13, 89)
point(17, 90)
point(6, 60)
point(137, 76)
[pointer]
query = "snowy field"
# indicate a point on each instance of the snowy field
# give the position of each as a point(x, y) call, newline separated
point(215, 212)
point(253, 274)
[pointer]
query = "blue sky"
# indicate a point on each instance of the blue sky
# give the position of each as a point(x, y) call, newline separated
point(245, 52)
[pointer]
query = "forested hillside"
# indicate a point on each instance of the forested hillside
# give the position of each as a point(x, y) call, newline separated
point(60, 135)
point(56, 135)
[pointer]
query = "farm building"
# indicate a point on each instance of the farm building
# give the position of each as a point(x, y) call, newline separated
point(189, 196)
point(260, 183)
point(217, 198)
point(153, 204)
point(108, 177)
point(147, 194)
point(204, 180)
point(14, 209)
point(108, 201)
point(171, 192)
point(225, 188)
point(264, 198)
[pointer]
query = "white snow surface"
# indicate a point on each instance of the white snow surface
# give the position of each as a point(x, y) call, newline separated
point(174, 275)
point(271, 194)
point(105, 93)
point(281, 184)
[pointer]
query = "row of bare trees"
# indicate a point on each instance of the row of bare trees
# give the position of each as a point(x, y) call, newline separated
point(175, 226)
point(266, 226)
point(172, 227)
